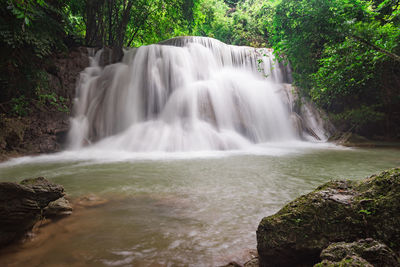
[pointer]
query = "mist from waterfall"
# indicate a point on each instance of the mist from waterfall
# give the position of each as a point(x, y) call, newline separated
point(188, 94)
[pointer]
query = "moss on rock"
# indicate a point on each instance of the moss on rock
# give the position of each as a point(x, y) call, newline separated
point(336, 211)
point(349, 261)
point(371, 251)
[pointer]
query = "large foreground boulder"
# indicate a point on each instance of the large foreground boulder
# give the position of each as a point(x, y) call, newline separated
point(338, 211)
point(22, 205)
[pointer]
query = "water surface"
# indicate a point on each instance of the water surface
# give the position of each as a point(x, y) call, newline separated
point(176, 209)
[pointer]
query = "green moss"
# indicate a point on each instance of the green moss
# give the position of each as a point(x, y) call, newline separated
point(32, 181)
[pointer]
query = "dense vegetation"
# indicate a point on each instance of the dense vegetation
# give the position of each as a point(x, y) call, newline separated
point(344, 53)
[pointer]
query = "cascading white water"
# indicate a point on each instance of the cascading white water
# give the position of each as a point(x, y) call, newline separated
point(184, 94)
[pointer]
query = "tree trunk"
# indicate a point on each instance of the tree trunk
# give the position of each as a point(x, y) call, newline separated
point(120, 34)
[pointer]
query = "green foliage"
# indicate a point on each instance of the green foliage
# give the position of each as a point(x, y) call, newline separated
point(343, 53)
point(345, 74)
point(366, 212)
point(44, 97)
point(53, 100)
point(356, 118)
point(35, 25)
point(302, 28)
point(235, 22)
point(30, 31)
point(20, 106)
point(159, 20)
point(211, 20)
point(253, 22)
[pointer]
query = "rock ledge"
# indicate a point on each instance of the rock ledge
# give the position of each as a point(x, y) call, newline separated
point(22, 205)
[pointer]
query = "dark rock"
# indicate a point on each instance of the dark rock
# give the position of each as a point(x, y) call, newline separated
point(90, 201)
point(339, 211)
point(110, 55)
point(21, 206)
point(375, 253)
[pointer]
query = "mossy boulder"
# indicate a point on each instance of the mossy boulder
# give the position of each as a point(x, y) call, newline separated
point(338, 211)
point(369, 250)
point(348, 261)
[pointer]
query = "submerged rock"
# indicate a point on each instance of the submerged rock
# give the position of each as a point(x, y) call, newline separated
point(22, 205)
point(90, 201)
point(372, 252)
point(338, 211)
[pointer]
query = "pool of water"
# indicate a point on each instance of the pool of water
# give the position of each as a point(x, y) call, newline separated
point(189, 209)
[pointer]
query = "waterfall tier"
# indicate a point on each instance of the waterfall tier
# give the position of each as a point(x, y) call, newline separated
point(188, 94)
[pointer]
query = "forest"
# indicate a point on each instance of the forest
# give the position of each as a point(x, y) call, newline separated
point(345, 54)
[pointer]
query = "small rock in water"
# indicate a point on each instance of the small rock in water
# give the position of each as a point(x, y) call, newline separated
point(58, 208)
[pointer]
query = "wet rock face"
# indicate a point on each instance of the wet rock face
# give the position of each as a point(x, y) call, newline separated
point(339, 211)
point(21, 206)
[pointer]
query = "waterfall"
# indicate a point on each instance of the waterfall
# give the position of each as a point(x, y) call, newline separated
point(187, 94)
